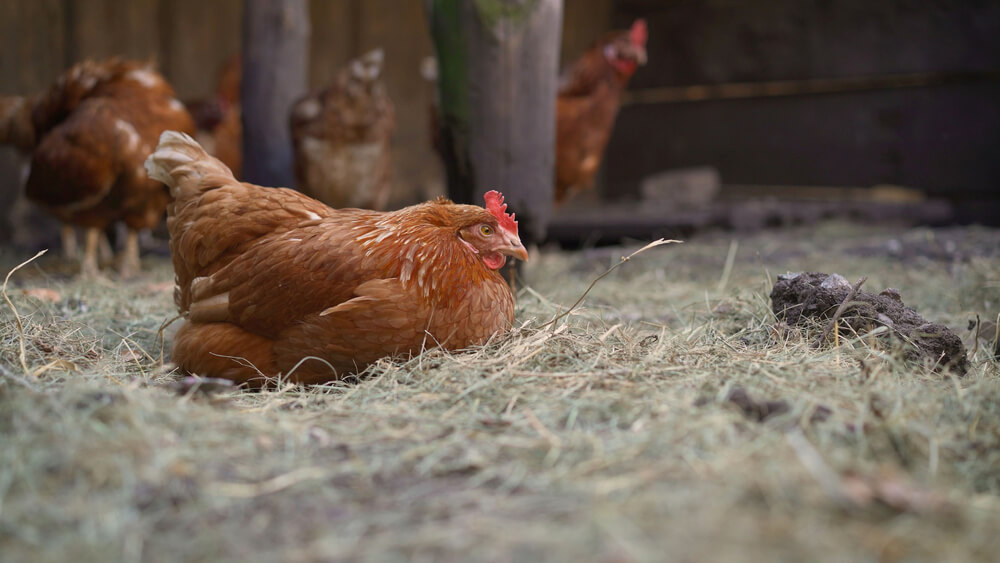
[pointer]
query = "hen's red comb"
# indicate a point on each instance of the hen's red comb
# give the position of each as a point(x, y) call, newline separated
point(638, 34)
point(496, 206)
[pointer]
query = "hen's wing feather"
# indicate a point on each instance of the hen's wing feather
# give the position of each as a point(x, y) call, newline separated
point(224, 350)
point(376, 323)
point(218, 224)
point(282, 260)
point(251, 213)
point(316, 264)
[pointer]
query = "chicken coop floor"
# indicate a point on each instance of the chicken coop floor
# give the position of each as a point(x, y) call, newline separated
point(670, 417)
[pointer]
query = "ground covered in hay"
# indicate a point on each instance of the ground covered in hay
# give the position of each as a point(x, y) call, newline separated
point(671, 416)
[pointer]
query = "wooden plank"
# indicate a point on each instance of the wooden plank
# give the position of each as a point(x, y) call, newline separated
point(804, 87)
point(111, 28)
point(275, 66)
point(196, 40)
point(583, 22)
point(717, 41)
point(416, 172)
point(614, 223)
point(334, 38)
point(940, 139)
point(32, 54)
point(497, 78)
point(33, 43)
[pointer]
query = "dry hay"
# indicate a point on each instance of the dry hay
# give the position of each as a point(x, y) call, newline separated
point(670, 416)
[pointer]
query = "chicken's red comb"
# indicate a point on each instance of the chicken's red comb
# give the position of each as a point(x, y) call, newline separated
point(496, 206)
point(638, 34)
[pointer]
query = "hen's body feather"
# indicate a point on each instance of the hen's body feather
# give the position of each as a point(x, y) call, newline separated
point(283, 277)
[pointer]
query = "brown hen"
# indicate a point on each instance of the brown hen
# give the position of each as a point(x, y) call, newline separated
point(589, 96)
point(88, 136)
point(342, 136)
point(272, 282)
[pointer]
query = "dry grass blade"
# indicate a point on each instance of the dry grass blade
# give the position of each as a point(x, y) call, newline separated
point(55, 364)
point(17, 316)
point(270, 486)
point(727, 270)
point(975, 338)
point(654, 244)
point(996, 339)
point(840, 311)
point(160, 335)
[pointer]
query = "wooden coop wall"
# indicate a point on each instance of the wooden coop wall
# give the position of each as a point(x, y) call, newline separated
point(938, 136)
point(861, 93)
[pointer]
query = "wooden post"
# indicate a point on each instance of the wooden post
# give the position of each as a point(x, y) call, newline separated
point(275, 74)
point(497, 75)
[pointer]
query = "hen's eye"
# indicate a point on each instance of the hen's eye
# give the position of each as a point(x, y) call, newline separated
point(486, 230)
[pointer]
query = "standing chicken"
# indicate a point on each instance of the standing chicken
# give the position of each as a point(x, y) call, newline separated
point(589, 96)
point(88, 137)
point(342, 137)
point(271, 281)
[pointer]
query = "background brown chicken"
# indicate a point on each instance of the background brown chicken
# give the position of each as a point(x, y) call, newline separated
point(342, 136)
point(271, 276)
point(218, 117)
point(590, 94)
point(15, 123)
point(88, 136)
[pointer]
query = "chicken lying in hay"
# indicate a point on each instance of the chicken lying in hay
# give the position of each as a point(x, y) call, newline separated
point(269, 280)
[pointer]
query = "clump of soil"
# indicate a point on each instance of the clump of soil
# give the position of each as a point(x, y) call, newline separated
point(797, 297)
point(762, 410)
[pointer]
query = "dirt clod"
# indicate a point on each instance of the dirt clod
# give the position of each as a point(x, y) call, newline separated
point(798, 297)
point(762, 410)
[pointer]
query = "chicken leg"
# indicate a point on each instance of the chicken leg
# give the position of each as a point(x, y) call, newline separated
point(105, 252)
point(128, 265)
point(88, 264)
point(68, 233)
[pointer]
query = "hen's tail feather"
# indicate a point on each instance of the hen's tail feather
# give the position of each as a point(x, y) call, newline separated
point(184, 166)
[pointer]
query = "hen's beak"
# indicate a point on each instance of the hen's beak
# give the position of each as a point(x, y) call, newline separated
point(514, 248)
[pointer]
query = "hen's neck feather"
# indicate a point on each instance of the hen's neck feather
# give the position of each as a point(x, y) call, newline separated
point(420, 246)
